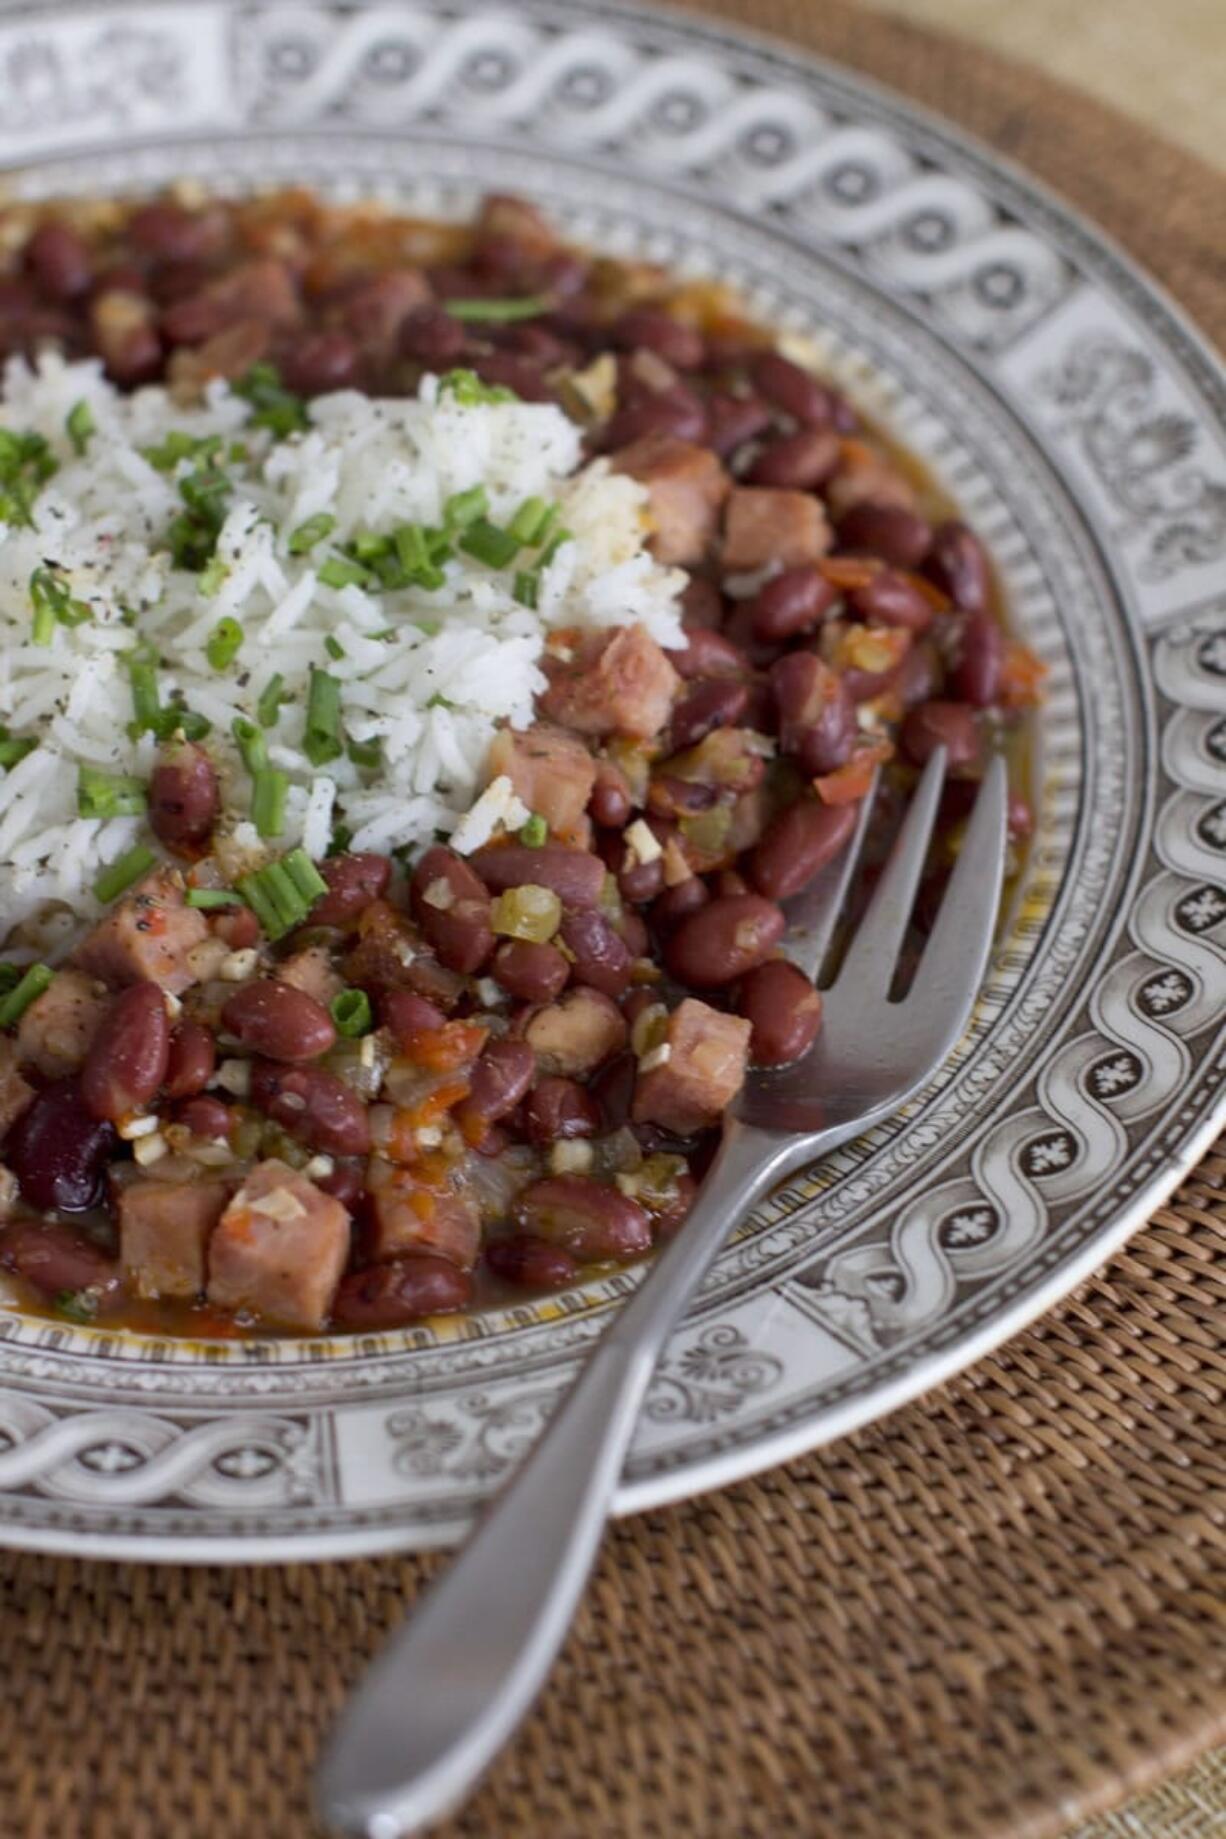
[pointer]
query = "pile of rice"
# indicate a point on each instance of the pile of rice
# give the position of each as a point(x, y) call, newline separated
point(445, 667)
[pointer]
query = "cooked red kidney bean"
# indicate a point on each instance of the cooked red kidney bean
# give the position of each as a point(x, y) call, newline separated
point(919, 676)
point(531, 972)
point(976, 676)
point(238, 926)
point(732, 420)
point(889, 599)
point(531, 1264)
point(674, 903)
point(402, 1290)
point(169, 233)
point(958, 563)
point(809, 695)
point(312, 1105)
point(898, 536)
point(192, 319)
point(452, 907)
point(792, 602)
point(501, 1076)
point(723, 941)
point(601, 956)
point(587, 1218)
point(792, 389)
point(408, 1015)
point(353, 882)
point(535, 341)
point(797, 462)
point(58, 1149)
point(676, 411)
point(205, 1117)
point(729, 884)
point(127, 1057)
point(558, 1110)
point(432, 337)
point(321, 361)
point(610, 803)
point(345, 1183)
point(666, 1219)
point(612, 1086)
point(507, 370)
point(707, 654)
point(785, 1010)
point(713, 702)
point(950, 725)
point(183, 797)
point(797, 843)
point(642, 882)
point(829, 742)
point(633, 931)
point(54, 1258)
point(654, 329)
point(574, 875)
point(275, 1019)
point(59, 261)
point(190, 1059)
point(702, 604)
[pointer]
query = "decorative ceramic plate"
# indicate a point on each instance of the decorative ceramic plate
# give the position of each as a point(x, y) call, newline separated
point(1079, 423)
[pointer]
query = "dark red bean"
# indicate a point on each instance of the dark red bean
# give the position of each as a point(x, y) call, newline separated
point(919, 676)
point(950, 725)
point(809, 695)
point(432, 337)
point(190, 1059)
point(601, 957)
point(507, 370)
point(792, 389)
point(537, 342)
point(723, 941)
point(675, 902)
point(530, 972)
point(829, 742)
point(958, 563)
point(702, 604)
point(133, 357)
point(169, 233)
point(589, 1219)
point(54, 1258)
point(452, 907)
point(899, 537)
point(409, 1016)
point(502, 1075)
point(642, 882)
point(60, 261)
point(312, 1105)
point(574, 875)
point(792, 602)
point(400, 1291)
point(193, 319)
point(797, 844)
point(531, 1264)
point(785, 1010)
point(733, 420)
point(713, 702)
point(797, 462)
point(319, 362)
point(707, 654)
point(205, 1117)
point(633, 931)
point(976, 676)
point(889, 599)
point(345, 1183)
point(612, 1086)
point(354, 881)
point(376, 307)
point(654, 329)
point(58, 1149)
point(238, 927)
point(559, 1110)
point(610, 804)
point(729, 884)
point(127, 1057)
point(274, 1019)
point(184, 798)
point(676, 411)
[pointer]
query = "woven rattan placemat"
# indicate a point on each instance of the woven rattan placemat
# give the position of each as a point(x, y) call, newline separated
point(997, 1613)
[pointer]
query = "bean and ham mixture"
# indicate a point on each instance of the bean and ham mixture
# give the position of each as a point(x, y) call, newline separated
point(350, 1092)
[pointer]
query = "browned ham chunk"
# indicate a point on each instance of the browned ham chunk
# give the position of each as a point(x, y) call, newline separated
point(148, 935)
point(550, 770)
point(575, 1035)
point(279, 1249)
point(763, 526)
point(686, 485)
point(260, 289)
point(15, 1094)
point(164, 1230)
point(625, 686)
point(705, 1069)
point(310, 970)
point(867, 476)
point(409, 1216)
point(54, 1034)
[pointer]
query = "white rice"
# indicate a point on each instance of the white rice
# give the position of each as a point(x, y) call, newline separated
point(431, 692)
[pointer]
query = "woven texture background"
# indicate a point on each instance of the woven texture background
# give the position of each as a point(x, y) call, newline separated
point(998, 1613)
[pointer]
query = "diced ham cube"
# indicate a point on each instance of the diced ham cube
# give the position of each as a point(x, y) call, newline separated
point(279, 1249)
point(867, 476)
point(149, 935)
point(686, 485)
point(575, 1035)
point(260, 289)
point(764, 526)
point(412, 1215)
point(164, 1231)
point(54, 1034)
point(15, 1093)
point(310, 970)
point(624, 686)
point(551, 771)
point(707, 1053)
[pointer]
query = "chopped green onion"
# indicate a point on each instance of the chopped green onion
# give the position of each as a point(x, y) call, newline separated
point(26, 463)
point(192, 537)
point(439, 701)
point(212, 577)
point(469, 391)
point(268, 800)
point(109, 795)
point(531, 519)
point(251, 744)
point(367, 547)
point(464, 508)
point(76, 1305)
point(177, 446)
point(13, 751)
point(282, 894)
point(32, 984)
point(498, 312)
point(431, 627)
point(304, 875)
point(351, 1011)
point(261, 905)
point(304, 538)
point(322, 738)
point(146, 706)
point(268, 708)
point(414, 553)
point(535, 832)
point(341, 838)
point(212, 897)
point(276, 408)
point(368, 754)
point(333, 647)
point(120, 876)
point(79, 425)
point(10, 977)
point(527, 587)
point(53, 604)
point(224, 643)
point(339, 571)
point(194, 727)
point(489, 544)
point(552, 548)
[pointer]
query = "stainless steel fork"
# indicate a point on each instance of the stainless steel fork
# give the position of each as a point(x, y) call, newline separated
point(448, 1690)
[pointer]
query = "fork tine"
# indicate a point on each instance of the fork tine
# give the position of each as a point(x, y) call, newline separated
point(814, 913)
point(873, 952)
point(955, 958)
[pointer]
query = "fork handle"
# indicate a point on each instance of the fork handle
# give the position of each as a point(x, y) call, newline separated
point(449, 1688)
